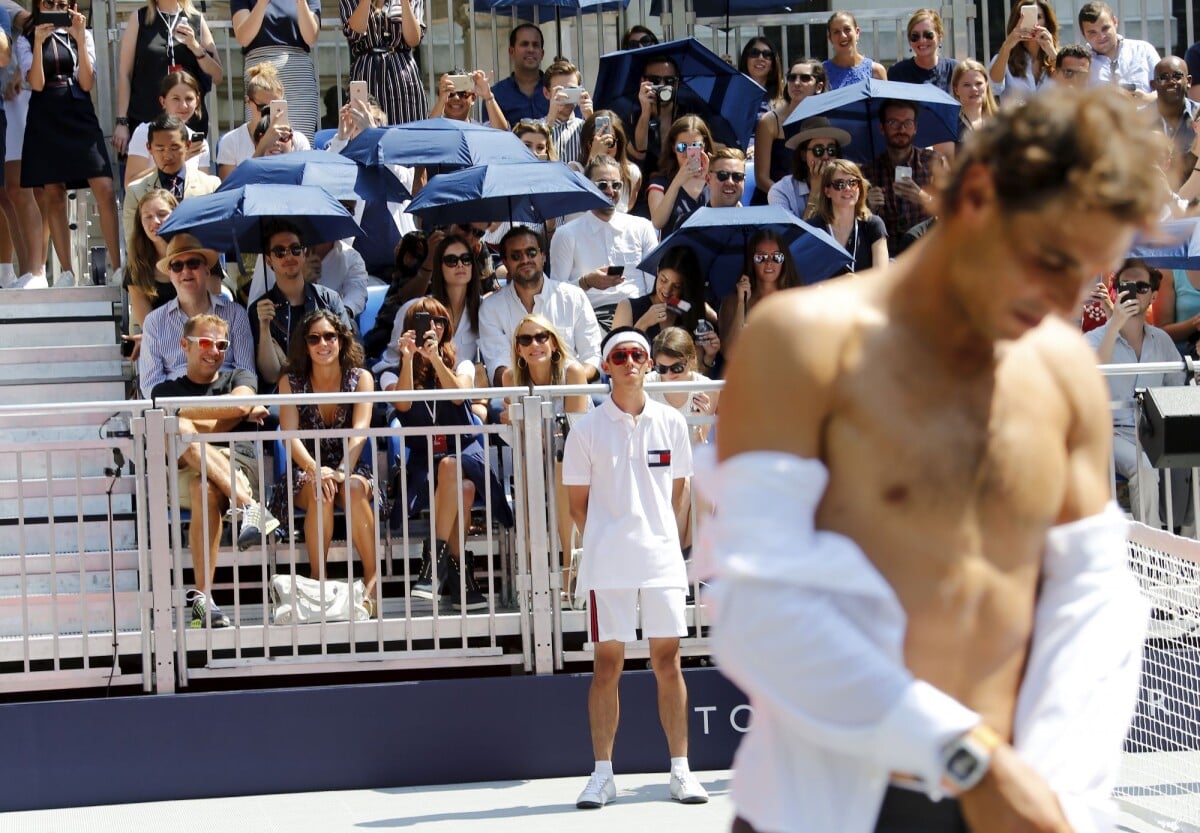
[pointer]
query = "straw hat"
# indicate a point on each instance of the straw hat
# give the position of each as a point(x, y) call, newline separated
point(185, 244)
point(818, 127)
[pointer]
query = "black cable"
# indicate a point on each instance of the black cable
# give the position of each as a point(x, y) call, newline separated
point(115, 474)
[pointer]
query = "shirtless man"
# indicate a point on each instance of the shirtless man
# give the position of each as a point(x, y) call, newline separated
point(921, 584)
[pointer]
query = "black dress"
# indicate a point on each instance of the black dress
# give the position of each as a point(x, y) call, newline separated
point(63, 140)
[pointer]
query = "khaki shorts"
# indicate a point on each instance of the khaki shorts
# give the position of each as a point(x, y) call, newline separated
point(613, 614)
point(243, 466)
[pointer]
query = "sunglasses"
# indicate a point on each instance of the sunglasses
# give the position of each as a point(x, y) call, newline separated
point(439, 321)
point(206, 343)
point(477, 233)
point(624, 354)
point(843, 184)
point(192, 263)
point(1141, 287)
point(763, 257)
point(725, 176)
point(456, 260)
point(523, 254)
point(759, 53)
point(613, 185)
point(800, 77)
point(661, 80)
point(1169, 76)
point(913, 37)
point(295, 250)
point(896, 124)
point(638, 43)
point(664, 369)
point(314, 339)
point(681, 147)
point(823, 150)
point(58, 7)
point(463, 94)
point(526, 339)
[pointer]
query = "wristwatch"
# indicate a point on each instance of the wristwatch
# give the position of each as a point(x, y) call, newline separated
point(967, 758)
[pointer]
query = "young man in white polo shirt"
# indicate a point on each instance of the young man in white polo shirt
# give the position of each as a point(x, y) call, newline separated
point(632, 455)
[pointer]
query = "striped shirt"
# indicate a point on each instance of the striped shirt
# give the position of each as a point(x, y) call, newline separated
point(565, 136)
point(162, 358)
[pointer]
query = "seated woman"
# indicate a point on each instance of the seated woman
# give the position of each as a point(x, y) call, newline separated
point(148, 288)
point(179, 95)
point(541, 358)
point(677, 299)
point(328, 360)
point(815, 145)
point(841, 210)
point(428, 361)
point(679, 188)
point(769, 268)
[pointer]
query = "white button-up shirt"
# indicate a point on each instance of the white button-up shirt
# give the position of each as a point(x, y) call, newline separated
point(1156, 347)
point(161, 358)
point(1135, 64)
point(565, 306)
point(588, 242)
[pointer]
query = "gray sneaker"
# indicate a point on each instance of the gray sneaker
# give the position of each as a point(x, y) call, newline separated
point(257, 520)
point(200, 603)
point(600, 790)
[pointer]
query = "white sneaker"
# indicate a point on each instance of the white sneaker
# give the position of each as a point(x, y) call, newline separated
point(31, 281)
point(117, 278)
point(7, 276)
point(687, 790)
point(600, 790)
point(64, 279)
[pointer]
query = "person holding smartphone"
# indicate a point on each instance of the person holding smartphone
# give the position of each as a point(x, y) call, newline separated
point(1026, 57)
point(680, 187)
point(901, 175)
point(383, 35)
point(283, 33)
point(603, 134)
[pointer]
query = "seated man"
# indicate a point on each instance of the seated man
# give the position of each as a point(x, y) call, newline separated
point(457, 104)
point(288, 300)
point(564, 122)
point(900, 174)
point(726, 177)
point(212, 478)
point(338, 267)
point(1117, 59)
point(1072, 66)
point(1128, 339)
point(599, 251)
point(167, 141)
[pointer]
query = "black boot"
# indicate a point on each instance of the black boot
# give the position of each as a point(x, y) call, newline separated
point(423, 587)
point(473, 600)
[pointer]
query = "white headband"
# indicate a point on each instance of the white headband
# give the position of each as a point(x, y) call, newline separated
point(626, 338)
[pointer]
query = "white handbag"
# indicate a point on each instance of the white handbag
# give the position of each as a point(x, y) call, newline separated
point(299, 599)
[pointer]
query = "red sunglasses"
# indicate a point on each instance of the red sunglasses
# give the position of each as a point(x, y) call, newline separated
point(622, 355)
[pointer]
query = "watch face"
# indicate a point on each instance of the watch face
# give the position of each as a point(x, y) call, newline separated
point(961, 765)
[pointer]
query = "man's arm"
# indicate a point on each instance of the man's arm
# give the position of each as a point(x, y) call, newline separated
point(577, 496)
point(587, 336)
point(354, 287)
point(493, 345)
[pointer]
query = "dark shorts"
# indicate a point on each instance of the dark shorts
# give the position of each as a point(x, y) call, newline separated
point(903, 811)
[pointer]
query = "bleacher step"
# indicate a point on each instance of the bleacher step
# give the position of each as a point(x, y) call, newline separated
point(67, 584)
point(48, 615)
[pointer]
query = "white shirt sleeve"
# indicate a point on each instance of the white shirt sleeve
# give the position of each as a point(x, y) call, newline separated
point(353, 273)
point(577, 456)
point(586, 334)
point(493, 344)
point(562, 256)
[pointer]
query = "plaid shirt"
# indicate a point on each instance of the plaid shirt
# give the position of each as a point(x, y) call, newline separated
point(899, 215)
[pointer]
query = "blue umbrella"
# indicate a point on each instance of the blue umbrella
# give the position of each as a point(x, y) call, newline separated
point(342, 177)
point(439, 144)
point(558, 9)
point(855, 109)
point(708, 87)
point(531, 192)
point(1173, 245)
point(719, 236)
point(233, 220)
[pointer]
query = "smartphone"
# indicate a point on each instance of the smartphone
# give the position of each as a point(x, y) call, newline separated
point(1126, 292)
point(616, 270)
point(603, 126)
point(62, 19)
point(903, 172)
point(462, 83)
point(358, 91)
point(422, 324)
point(196, 137)
point(572, 94)
point(279, 113)
point(1029, 16)
point(695, 159)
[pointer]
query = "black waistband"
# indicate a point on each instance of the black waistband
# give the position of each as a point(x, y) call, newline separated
point(370, 50)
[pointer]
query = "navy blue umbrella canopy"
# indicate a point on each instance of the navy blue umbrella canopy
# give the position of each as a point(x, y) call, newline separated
point(341, 176)
point(514, 191)
point(727, 100)
point(719, 236)
point(855, 109)
point(1173, 245)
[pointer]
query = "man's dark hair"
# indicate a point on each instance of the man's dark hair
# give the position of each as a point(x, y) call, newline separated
point(512, 36)
point(1090, 12)
point(661, 59)
point(165, 123)
point(897, 104)
point(1138, 263)
point(617, 332)
point(520, 231)
point(280, 226)
point(1072, 50)
point(601, 160)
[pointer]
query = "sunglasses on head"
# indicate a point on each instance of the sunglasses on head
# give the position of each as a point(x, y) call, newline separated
point(526, 339)
point(206, 343)
point(316, 338)
point(613, 185)
point(681, 147)
point(913, 37)
point(725, 176)
point(763, 257)
point(664, 369)
point(843, 184)
point(624, 354)
point(759, 53)
point(523, 254)
point(456, 260)
point(661, 80)
point(192, 263)
point(823, 150)
point(295, 250)
point(800, 77)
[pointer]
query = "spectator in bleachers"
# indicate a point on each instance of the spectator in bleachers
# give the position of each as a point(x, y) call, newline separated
point(457, 104)
point(657, 110)
point(726, 177)
point(214, 477)
point(817, 143)
point(1073, 66)
point(679, 187)
point(535, 135)
point(772, 154)
point(411, 253)
point(383, 35)
point(180, 97)
point(190, 266)
point(1192, 59)
point(769, 268)
point(428, 361)
point(148, 287)
point(1177, 308)
point(1128, 339)
point(262, 87)
point(273, 324)
point(1178, 115)
point(520, 95)
point(64, 145)
point(609, 140)
point(585, 250)
point(928, 65)
point(1026, 57)
point(847, 65)
point(901, 203)
point(18, 204)
point(563, 304)
point(760, 62)
point(841, 210)
point(677, 299)
point(160, 39)
point(969, 84)
point(336, 266)
point(168, 145)
point(637, 37)
point(565, 125)
point(1117, 59)
point(325, 358)
point(283, 33)
point(274, 139)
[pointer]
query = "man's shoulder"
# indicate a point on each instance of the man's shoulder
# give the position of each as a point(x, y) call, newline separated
point(159, 314)
point(1058, 346)
point(143, 183)
point(201, 182)
point(228, 309)
point(807, 327)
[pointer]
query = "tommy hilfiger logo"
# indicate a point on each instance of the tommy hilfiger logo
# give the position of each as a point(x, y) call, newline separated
point(657, 457)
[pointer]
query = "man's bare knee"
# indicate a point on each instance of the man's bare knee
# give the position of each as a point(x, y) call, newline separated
point(664, 655)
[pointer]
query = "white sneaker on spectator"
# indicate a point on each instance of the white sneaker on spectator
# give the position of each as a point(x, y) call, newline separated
point(66, 278)
point(686, 789)
point(8, 275)
point(600, 790)
point(117, 277)
point(31, 281)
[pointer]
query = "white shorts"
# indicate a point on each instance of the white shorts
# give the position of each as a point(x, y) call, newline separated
point(613, 614)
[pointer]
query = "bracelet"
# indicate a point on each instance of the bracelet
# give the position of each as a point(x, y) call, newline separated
point(122, 121)
point(492, 98)
point(201, 55)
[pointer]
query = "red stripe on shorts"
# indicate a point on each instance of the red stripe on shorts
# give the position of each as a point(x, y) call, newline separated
point(593, 620)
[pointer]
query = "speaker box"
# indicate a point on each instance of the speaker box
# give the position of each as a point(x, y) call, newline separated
point(1170, 426)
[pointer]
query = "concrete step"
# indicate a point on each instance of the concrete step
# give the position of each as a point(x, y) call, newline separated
point(48, 615)
point(81, 391)
point(68, 535)
point(68, 563)
point(68, 304)
point(66, 584)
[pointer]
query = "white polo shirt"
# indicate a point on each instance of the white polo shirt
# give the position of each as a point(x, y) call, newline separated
point(631, 539)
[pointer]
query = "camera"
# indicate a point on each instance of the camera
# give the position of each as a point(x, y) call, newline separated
point(663, 93)
point(571, 94)
point(1126, 292)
